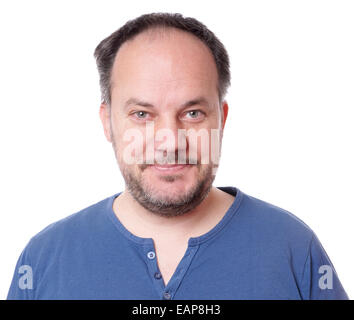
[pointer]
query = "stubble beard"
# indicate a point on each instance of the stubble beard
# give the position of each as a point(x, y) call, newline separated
point(165, 205)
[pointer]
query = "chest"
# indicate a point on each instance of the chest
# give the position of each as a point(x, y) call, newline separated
point(168, 258)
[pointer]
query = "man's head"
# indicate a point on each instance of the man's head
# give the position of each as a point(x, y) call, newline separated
point(164, 77)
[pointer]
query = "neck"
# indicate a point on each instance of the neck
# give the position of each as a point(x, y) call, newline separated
point(196, 222)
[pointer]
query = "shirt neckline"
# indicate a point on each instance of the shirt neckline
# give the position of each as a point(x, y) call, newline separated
point(193, 241)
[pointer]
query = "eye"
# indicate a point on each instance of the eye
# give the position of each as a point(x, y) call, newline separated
point(141, 114)
point(194, 114)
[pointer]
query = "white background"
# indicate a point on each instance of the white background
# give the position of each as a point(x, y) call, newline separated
point(289, 135)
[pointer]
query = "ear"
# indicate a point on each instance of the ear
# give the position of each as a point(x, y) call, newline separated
point(106, 121)
point(225, 111)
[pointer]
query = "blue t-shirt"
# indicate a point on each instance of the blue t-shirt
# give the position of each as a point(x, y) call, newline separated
point(257, 251)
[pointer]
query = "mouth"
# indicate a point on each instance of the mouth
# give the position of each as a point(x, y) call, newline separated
point(170, 168)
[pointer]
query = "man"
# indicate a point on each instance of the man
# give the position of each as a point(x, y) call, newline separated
point(170, 234)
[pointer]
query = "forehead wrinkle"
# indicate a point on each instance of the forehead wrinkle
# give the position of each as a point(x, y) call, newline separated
point(196, 101)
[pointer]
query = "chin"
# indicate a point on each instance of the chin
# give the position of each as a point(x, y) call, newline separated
point(168, 190)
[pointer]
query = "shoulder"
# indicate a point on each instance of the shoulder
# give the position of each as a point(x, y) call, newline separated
point(71, 229)
point(273, 222)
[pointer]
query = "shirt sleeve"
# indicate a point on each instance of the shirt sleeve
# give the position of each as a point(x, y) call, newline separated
point(22, 285)
point(320, 280)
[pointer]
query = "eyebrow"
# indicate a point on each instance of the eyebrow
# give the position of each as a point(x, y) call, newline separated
point(190, 103)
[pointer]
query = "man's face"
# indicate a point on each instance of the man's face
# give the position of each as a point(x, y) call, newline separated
point(163, 83)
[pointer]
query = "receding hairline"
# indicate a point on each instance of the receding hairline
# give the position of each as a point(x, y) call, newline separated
point(106, 51)
point(157, 32)
point(154, 32)
point(161, 30)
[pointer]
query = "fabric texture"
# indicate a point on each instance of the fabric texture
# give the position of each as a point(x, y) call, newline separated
point(257, 251)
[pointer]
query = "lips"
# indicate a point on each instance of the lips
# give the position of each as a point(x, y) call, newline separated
point(170, 167)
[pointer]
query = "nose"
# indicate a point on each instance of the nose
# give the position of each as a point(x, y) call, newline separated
point(166, 134)
point(167, 143)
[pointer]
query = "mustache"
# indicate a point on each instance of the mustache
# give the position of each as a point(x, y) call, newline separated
point(169, 159)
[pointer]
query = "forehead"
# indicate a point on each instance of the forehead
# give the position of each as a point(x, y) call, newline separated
point(166, 59)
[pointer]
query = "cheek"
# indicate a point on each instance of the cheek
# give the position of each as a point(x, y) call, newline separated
point(129, 145)
point(204, 144)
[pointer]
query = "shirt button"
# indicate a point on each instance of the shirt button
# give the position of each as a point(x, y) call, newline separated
point(157, 275)
point(166, 296)
point(151, 254)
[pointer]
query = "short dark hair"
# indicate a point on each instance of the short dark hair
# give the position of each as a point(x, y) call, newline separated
point(106, 51)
